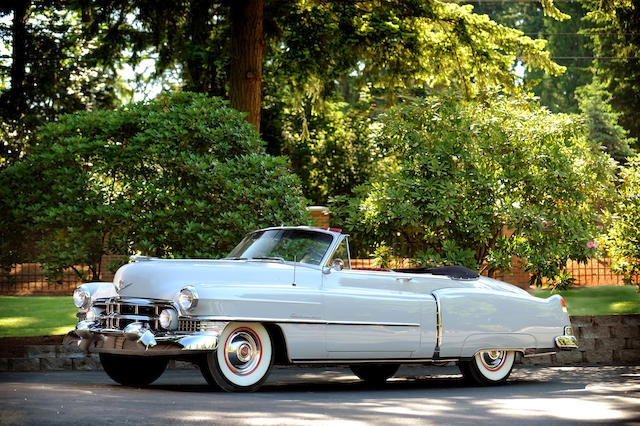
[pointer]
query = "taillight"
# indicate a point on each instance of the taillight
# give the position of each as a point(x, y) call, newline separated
point(564, 304)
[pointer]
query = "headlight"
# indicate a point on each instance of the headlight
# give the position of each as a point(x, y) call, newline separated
point(188, 299)
point(81, 297)
point(168, 319)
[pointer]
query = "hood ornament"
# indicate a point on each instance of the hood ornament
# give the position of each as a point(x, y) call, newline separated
point(120, 285)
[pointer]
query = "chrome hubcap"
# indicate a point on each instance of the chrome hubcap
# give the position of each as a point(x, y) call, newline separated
point(493, 360)
point(242, 351)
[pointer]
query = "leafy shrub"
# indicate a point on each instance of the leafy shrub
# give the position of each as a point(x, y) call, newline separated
point(480, 183)
point(622, 241)
point(181, 176)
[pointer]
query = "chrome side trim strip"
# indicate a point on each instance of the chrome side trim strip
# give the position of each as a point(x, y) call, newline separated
point(304, 321)
point(439, 329)
point(374, 361)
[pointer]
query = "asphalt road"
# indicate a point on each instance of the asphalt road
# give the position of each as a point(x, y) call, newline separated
point(427, 395)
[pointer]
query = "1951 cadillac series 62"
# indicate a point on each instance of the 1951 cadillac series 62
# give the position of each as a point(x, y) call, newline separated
point(289, 295)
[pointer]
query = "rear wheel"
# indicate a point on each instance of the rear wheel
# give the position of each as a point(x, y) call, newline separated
point(134, 371)
point(374, 373)
point(488, 367)
point(243, 359)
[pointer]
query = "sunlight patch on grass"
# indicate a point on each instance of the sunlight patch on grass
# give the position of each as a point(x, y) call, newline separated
point(15, 322)
point(62, 330)
point(623, 307)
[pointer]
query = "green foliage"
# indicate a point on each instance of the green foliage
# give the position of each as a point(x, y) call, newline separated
point(481, 182)
point(182, 176)
point(382, 256)
point(617, 37)
point(331, 148)
point(59, 64)
point(602, 122)
point(565, 41)
point(622, 241)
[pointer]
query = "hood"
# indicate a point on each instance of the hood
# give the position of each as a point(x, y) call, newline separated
point(163, 279)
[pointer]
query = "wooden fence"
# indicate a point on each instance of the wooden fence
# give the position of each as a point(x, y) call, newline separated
point(27, 279)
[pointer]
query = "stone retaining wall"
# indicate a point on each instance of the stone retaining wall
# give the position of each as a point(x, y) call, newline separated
point(603, 339)
point(606, 339)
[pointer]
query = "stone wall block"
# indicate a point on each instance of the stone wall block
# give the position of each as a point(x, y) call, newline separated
point(630, 319)
point(586, 344)
point(610, 343)
point(599, 356)
point(181, 365)
point(581, 321)
point(567, 357)
point(40, 351)
point(86, 364)
point(24, 364)
point(4, 364)
point(627, 356)
point(55, 364)
point(70, 351)
point(607, 320)
point(594, 332)
point(625, 331)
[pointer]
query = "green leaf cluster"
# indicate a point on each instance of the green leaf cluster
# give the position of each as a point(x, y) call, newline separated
point(622, 240)
point(182, 176)
point(480, 183)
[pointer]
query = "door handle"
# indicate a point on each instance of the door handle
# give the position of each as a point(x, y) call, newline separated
point(404, 279)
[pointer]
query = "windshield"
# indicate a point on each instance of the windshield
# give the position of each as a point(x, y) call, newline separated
point(284, 245)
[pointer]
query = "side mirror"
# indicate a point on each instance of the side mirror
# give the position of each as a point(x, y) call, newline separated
point(336, 265)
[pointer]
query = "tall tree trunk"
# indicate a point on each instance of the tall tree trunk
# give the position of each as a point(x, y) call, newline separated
point(13, 101)
point(246, 58)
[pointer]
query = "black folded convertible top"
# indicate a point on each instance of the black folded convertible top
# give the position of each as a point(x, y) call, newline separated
point(457, 272)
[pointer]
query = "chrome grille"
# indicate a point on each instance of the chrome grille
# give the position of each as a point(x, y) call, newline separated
point(189, 325)
point(118, 313)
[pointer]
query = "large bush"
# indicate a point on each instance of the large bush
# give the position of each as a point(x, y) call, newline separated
point(182, 176)
point(480, 183)
point(622, 241)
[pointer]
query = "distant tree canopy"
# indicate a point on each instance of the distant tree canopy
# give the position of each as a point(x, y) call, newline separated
point(65, 54)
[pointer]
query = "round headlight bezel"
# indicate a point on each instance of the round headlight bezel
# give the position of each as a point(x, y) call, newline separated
point(81, 297)
point(188, 299)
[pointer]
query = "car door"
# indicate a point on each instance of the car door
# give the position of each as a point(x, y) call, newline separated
point(375, 315)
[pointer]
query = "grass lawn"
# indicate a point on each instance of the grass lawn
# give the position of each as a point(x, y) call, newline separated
point(604, 300)
point(36, 316)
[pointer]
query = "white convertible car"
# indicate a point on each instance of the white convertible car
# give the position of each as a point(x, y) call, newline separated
point(288, 295)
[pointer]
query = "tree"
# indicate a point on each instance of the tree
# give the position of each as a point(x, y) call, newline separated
point(622, 241)
point(617, 64)
point(477, 183)
point(182, 176)
point(603, 129)
point(60, 63)
point(568, 44)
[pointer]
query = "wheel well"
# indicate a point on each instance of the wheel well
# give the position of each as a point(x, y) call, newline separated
point(281, 356)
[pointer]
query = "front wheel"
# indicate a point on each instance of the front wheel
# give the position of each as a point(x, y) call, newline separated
point(136, 371)
point(374, 373)
point(488, 367)
point(243, 359)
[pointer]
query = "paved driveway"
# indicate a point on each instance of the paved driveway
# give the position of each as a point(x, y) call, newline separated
point(534, 395)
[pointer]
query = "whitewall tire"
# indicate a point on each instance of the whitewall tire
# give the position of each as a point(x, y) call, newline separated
point(488, 367)
point(243, 359)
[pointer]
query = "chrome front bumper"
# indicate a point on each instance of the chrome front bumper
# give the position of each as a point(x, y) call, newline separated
point(138, 339)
